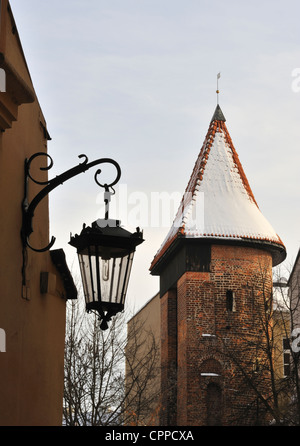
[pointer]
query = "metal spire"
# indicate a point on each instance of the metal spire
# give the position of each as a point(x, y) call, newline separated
point(218, 91)
point(218, 114)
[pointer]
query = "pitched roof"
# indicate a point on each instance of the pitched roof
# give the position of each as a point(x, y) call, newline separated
point(218, 202)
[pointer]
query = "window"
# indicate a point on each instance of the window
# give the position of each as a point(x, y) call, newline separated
point(286, 357)
point(230, 300)
point(257, 366)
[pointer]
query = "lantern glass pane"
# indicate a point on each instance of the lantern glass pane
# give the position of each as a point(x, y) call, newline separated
point(106, 274)
point(115, 280)
point(126, 278)
point(122, 276)
point(105, 280)
point(111, 274)
point(93, 272)
point(85, 275)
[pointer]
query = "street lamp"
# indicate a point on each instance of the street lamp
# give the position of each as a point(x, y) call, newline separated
point(105, 249)
point(105, 252)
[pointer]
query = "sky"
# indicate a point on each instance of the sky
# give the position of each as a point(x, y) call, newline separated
point(135, 81)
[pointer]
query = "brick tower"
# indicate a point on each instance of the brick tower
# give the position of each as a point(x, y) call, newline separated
point(215, 269)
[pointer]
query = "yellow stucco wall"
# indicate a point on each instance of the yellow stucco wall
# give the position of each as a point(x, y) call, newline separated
point(31, 368)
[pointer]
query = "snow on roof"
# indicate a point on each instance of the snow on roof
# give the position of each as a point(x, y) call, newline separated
point(218, 202)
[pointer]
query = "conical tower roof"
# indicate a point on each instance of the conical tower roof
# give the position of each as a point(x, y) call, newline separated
point(218, 203)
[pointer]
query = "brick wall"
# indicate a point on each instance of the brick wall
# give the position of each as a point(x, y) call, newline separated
point(169, 358)
point(218, 322)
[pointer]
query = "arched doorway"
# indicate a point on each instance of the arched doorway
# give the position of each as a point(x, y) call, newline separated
point(214, 405)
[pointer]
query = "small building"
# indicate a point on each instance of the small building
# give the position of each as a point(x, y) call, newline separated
point(294, 292)
point(281, 329)
point(34, 286)
point(143, 366)
point(294, 295)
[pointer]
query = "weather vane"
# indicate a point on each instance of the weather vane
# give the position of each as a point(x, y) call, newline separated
point(218, 91)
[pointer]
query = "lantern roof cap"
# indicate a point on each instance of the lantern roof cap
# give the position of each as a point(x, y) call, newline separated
point(107, 233)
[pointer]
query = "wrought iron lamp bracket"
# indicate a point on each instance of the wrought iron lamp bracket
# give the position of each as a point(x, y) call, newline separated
point(29, 208)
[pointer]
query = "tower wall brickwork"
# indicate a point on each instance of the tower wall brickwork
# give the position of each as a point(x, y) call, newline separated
point(212, 336)
point(169, 358)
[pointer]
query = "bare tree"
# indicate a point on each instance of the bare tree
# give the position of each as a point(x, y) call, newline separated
point(288, 312)
point(267, 363)
point(94, 387)
point(142, 375)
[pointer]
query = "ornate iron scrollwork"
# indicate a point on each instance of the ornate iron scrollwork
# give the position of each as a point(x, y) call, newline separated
point(29, 208)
